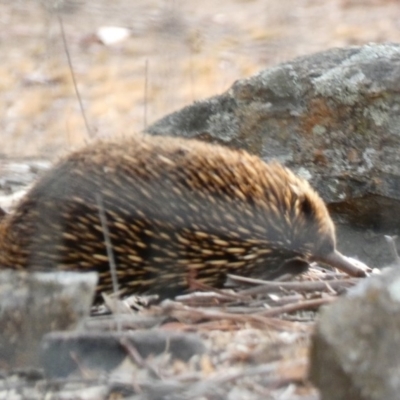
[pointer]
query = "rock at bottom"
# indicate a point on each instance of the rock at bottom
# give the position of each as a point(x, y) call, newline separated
point(354, 352)
point(32, 304)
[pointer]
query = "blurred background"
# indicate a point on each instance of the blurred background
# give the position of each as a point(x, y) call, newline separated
point(138, 60)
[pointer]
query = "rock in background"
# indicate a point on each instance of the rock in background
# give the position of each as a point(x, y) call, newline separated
point(333, 117)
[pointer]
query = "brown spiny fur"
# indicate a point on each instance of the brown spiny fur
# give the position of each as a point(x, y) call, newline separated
point(174, 207)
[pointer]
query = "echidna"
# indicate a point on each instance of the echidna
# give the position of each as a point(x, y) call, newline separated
point(174, 208)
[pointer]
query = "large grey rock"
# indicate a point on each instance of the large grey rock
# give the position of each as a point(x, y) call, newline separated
point(334, 118)
point(354, 352)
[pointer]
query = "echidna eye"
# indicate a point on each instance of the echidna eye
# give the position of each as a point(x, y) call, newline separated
point(306, 207)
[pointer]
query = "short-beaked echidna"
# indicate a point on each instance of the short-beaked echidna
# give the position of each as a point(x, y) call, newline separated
point(174, 208)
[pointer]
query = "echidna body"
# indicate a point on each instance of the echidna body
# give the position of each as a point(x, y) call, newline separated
point(175, 208)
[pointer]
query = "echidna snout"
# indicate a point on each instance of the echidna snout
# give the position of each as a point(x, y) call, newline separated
point(338, 260)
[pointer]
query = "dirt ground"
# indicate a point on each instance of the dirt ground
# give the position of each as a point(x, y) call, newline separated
point(177, 52)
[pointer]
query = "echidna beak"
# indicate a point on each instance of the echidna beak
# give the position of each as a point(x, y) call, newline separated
point(338, 260)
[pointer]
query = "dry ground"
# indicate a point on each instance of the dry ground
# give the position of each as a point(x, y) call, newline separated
point(192, 50)
point(182, 51)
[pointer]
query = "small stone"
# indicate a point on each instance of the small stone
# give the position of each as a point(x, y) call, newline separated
point(104, 351)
